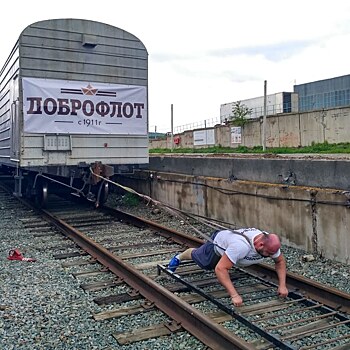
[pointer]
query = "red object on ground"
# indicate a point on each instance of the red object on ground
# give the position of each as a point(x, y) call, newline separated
point(15, 254)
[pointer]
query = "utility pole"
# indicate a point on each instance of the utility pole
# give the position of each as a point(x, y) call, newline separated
point(172, 128)
point(264, 119)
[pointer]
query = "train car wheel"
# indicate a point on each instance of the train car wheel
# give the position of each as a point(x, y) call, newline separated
point(102, 193)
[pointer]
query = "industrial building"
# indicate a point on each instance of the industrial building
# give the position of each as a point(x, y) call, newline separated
point(327, 93)
point(281, 102)
point(321, 94)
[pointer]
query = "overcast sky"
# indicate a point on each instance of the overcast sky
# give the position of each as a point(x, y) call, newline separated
point(205, 53)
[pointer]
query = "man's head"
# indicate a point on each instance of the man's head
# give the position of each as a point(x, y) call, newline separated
point(267, 244)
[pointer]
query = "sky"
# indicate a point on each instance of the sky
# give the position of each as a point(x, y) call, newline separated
point(206, 53)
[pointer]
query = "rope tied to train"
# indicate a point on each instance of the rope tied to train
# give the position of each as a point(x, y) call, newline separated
point(184, 216)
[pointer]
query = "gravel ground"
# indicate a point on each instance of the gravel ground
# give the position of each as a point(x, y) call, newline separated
point(43, 307)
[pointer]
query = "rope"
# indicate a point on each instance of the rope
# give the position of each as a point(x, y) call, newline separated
point(173, 211)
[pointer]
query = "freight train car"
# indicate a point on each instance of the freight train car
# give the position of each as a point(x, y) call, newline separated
point(73, 107)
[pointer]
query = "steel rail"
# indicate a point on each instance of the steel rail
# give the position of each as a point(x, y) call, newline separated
point(268, 336)
point(329, 296)
point(166, 232)
point(186, 316)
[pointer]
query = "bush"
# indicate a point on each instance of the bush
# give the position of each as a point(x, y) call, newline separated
point(131, 200)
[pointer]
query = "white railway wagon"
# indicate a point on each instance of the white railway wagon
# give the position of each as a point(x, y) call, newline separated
point(73, 102)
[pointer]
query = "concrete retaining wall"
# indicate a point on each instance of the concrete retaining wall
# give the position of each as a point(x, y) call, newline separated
point(326, 172)
point(285, 130)
point(313, 219)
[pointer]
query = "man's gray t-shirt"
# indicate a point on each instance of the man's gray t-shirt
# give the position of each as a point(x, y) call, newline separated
point(237, 248)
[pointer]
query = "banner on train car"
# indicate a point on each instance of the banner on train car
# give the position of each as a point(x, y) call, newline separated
point(77, 107)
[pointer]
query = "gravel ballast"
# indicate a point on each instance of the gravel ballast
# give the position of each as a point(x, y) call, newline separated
point(43, 307)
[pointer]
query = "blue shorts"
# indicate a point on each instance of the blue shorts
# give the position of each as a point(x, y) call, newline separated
point(205, 256)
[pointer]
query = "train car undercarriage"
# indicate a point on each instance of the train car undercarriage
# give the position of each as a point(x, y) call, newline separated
point(84, 181)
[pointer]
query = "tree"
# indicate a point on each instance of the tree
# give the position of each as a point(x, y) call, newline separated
point(239, 113)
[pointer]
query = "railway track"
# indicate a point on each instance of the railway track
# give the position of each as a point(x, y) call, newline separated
point(120, 262)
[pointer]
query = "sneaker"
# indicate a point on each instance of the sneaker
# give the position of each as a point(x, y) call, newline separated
point(174, 263)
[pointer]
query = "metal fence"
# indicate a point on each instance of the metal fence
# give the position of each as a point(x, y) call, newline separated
point(203, 124)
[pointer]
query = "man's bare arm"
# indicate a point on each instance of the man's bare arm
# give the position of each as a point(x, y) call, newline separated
point(222, 271)
point(281, 270)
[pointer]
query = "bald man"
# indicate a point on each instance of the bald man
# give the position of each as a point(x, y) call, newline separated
point(242, 247)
